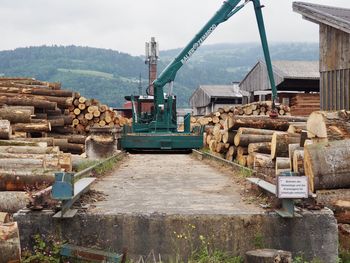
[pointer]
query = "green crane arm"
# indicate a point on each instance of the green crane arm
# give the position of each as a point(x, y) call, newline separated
point(228, 9)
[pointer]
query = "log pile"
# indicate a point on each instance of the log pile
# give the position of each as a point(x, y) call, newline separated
point(32, 109)
point(87, 113)
point(28, 165)
point(255, 109)
point(260, 143)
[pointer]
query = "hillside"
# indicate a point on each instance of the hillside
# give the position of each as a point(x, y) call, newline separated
point(110, 75)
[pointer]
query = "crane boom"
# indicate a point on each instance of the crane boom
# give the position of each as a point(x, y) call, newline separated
point(158, 129)
point(227, 10)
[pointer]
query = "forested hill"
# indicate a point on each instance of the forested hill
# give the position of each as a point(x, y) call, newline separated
point(110, 75)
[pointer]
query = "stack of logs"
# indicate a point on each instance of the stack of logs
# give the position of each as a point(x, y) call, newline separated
point(37, 110)
point(262, 108)
point(88, 113)
point(317, 146)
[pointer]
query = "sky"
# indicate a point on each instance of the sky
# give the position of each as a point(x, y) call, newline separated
point(126, 25)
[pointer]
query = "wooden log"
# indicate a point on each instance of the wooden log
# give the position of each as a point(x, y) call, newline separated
point(11, 202)
point(297, 127)
point(262, 162)
point(330, 125)
point(5, 129)
point(22, 142)
point(55, 112)
point(228, 136)
point(67, 119)
point(291, 149)
point(65, 146)
point(260, 147)
point(57, 122)
point(30, 163)
point(241, 150)
point(61, 102)
point(82, 106)
point(242, 160)
point(268, 256)
point(342, 211)
point(246, 139)
point(77, 111)
point(28, 150)
point(82, 100)
point(37, 91)
point(245, 130)
point(63, 130)
point(71, 138)
point(15, 115)
point(10, 243)
point(37, 103)
point(25, 108)
point(327, 165)
point(298, 162)
point(329, 197)
point(220, 148)
point(32, 127)
point(280, 143)
point(282, 163)
point(4, 217)
point(19, 180)
point(259, 123)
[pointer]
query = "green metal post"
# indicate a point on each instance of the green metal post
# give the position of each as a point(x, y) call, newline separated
point(260, 21)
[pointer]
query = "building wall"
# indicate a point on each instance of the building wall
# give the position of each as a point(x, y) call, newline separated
point(334, 68)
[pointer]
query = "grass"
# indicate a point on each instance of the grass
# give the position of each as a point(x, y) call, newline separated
point(93, 73)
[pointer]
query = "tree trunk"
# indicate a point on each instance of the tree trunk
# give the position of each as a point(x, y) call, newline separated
point(280, 143)
point(242, 159)
point(244, 130)
point(37, 103)
point(330, 125)
point(5, 129)
point(342, 211)
point(228, 137)
point(297, 127)
point(32, 127)
point(260, 147)
point(298, 162)
point(11, 201)
point(268, 256)
point(15, 115)
point(259, 123)
point(13, 180)
point(246, 139)
point(22, 142)
point(9, 243)
point(327, 165)
point(291, 149)
point(282, 165)
point(37, 91)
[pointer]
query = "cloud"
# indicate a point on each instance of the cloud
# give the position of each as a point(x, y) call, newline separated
point(126, 25)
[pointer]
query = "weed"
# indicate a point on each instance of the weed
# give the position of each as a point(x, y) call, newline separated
point(200, 249)
point(47, 251)
point(259, 241)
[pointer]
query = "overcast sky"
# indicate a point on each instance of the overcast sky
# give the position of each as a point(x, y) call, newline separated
point(125, 25)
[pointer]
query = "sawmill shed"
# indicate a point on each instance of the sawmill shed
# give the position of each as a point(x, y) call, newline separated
point(334, 24)
point(208, 98)
point(297, 84)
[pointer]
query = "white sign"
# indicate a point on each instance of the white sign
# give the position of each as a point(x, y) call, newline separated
point(292, 187)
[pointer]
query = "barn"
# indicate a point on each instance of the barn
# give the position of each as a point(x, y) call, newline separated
point(297, 83)
point(334, 25)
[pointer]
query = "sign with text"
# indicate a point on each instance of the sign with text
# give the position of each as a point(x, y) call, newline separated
point(292, 187)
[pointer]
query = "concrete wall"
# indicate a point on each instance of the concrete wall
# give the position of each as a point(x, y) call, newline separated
point(314, 235)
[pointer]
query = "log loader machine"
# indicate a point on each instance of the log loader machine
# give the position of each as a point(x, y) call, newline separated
point(157, 130)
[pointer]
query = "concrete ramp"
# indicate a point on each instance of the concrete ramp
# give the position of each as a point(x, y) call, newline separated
point(166, 203)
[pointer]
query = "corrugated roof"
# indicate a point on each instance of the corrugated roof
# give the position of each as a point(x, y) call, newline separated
point(220, 91)
point(333, 16)
point(297, 69)
point(202, 96)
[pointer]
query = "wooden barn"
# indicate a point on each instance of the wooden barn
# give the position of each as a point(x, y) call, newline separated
point(297, 84)
point(334, 23)
point(208, 98)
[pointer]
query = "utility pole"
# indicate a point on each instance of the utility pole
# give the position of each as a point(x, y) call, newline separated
point(152, 55)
